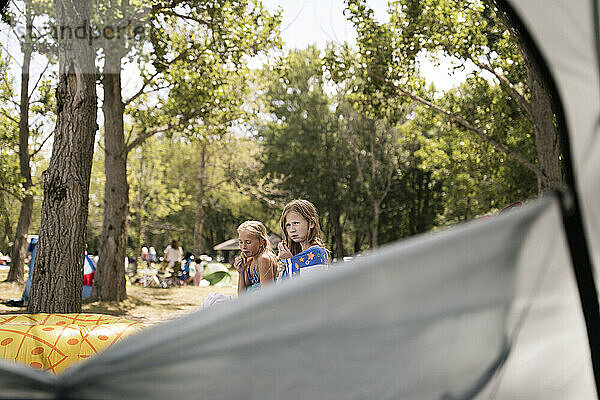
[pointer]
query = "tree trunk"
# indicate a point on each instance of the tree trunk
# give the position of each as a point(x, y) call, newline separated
point(357, 241)
point(109, 281)
point(412, 211)
point(142, 196)
point(375, 225)
point(58, 275)
point(337, 232)
point(7, 229)
point(141, 228)
point(19, 248)
point(376, 212)
point(546, 137)
point(199, 219)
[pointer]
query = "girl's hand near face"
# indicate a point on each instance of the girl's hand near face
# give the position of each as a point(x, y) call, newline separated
point(283, 251)
point(238, 264)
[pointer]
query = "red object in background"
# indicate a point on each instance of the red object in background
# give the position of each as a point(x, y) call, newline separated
point(518, 204)
point(88, 279)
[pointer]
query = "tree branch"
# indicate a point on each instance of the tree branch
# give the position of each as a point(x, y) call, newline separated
point(38, 81)
point(129, 135)
point(216, 184)
point(10, 100)
point(205, 22)
point(388, 185)
point(141, 91)
point(254, 191)
point(41, 145)
point(7, 115)
point(460, 121)
point(141, 138)
point(508, 84)
point(15, 195)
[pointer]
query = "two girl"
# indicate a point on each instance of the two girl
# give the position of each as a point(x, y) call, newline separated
point(302, 247)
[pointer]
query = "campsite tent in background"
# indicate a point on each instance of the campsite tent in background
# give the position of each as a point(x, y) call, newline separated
point(486, 309)
point(232, 244)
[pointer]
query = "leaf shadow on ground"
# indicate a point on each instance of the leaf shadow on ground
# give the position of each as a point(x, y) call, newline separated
point(118, 309)
point(147, 305)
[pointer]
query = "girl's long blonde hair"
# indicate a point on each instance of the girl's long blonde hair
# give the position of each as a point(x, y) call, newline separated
point(258, 230)
point(309, 212)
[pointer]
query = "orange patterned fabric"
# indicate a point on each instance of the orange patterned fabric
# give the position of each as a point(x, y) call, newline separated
point(55, 341)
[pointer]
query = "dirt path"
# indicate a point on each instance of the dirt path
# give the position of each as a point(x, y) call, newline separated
point(146, 305)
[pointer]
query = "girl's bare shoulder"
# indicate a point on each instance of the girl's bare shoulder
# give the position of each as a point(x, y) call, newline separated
point(265, 260)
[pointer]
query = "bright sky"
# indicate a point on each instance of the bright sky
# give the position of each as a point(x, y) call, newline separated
point(307, 22)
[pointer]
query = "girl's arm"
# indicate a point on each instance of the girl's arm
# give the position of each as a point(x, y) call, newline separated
point(241, 278)
point(265, 269)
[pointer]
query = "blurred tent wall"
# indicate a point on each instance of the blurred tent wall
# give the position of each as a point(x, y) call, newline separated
point(487, 309)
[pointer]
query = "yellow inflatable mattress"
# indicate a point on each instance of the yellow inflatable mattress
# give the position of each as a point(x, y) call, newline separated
point(55, 341)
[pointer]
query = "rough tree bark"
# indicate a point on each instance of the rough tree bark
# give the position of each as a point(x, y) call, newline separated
point(547, 141)
point(58, 276)
point(539, 108)
point(19, 248)
point(109, 281)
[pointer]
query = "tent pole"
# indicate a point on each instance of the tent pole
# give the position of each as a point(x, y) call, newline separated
point(569, 198)
point(584, 274)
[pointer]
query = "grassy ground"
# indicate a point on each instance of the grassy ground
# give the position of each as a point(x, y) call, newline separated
point(144, 304)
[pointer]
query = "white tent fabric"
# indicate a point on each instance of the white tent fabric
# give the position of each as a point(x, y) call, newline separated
point(487, 309)
point(564, 32)
point(549, 358)
point(408, 321)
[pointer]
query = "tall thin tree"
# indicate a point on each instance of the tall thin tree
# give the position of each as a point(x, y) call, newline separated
point(19, 248)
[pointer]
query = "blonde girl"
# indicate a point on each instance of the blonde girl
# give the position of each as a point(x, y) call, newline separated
point(301, 228)
point(257, 264)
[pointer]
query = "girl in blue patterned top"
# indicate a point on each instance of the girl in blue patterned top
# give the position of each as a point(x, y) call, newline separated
point(257, 265)
point(300, 227)
point(301, 231)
